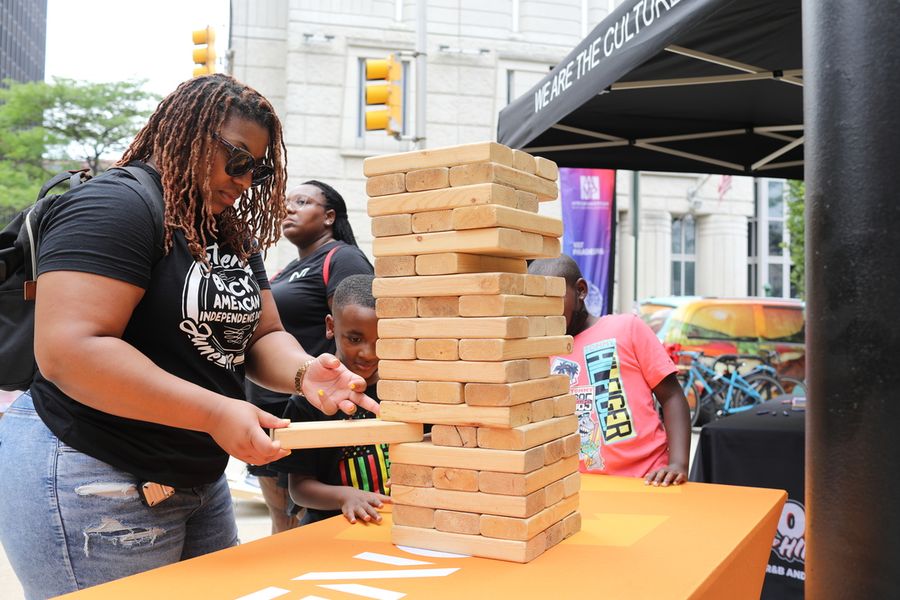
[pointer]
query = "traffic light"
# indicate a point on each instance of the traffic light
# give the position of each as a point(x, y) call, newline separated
point(387, 93)
point(204, 51)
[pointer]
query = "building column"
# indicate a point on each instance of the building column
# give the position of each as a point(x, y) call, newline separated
point(655, 254)
point(721, 248)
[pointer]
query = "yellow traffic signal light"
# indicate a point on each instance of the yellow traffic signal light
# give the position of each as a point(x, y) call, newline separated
point(387, 93)
point(204, 51)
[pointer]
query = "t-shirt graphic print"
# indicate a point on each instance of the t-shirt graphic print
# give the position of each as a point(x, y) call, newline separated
point(221, 306)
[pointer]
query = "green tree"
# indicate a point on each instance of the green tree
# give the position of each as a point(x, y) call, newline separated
point(796, 229)
point(45, 127)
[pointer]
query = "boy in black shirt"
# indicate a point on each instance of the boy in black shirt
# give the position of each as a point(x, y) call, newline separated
point(351, 480)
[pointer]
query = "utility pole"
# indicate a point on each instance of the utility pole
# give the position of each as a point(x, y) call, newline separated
point(421, 79)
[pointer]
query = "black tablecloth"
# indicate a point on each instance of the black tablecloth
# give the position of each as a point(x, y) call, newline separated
point(764, 450)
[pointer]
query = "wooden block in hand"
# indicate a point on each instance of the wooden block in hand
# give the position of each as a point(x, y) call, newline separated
point(524, 162)
point(413, 475)
point(459, 436)
point(383, 185)
point(455, 521)
point(456, 414)
point(395, 308)
point(493, 215)
point(546, 168)
point(438, 157)
point(449, 478)
point(486, 172)
point(447, 263)
point(530, 347)
point(475, 327)
point(345, 432)
point(509, 528)
point(522, 484)
point(494, 504)
point(389, 225)
point(494, 241)
point(395, 266)
point(434, 178)
point(509, 305)
point(437, 349)
point(463, 371)
point(510, 394)
point(517, 551)
point(433, 220)
point(438, 306)
point(507, 461)
point(445, 285)
point(440, 392)
point(529, 435)
point(443, 199)
point(397, 391)
point(396, 348)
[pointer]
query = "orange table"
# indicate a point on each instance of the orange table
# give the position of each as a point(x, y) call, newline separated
point(696, 540)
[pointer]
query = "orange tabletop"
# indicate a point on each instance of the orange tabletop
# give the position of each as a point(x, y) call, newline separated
point(691, 541)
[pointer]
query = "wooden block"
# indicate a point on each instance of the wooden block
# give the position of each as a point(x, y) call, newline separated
point(494, 504)
point(440, 392)
point(557, 532)
point(555, 325)
point(554, 492)
point(535, 285)
point(537, 327)
point(509, 528)
point(413, 516)
point(564, 405)
point(396, 391)
point(518, 551)
point(527, 201)
point(438, 306)
point(542, 410)
point(456, 414)
point(572, 483)
point(391, 225)
point(509, 305)
point(345, 432)
point(396, 348)
point(490, 327)
point(392, 308)
point(538, 368)
point(492, 215)
point(457, 522)
point(555, 286)
point(383, 185)
point(458, 436)
point(550, 248)
point(445, 285)
point(506, 461)
point(454, 262)
point(529, 347)
point(433, 220)
point(427, 179)
point(395, 266)
point(486, 172)
point(546, 168)
point(524, 162)
point(414, 475)
point(571, 444)
point(447, 156)
point(528, 436)
point(448, 478)
point(437, 349)
point(463, 371)
point(554, 451)
point(443, 199)
point(522, 484)
point(510, 394)
point(494, 241)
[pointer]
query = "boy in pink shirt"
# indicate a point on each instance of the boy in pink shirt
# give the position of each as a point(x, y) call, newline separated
point(616, 367)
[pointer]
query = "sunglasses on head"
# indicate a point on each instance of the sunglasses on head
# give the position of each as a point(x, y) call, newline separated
point(240, 162)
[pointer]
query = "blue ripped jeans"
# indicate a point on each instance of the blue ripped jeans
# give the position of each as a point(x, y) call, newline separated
point(69, 521)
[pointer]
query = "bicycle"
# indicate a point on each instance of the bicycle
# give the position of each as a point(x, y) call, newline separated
point(720, 389)
point(791, 385)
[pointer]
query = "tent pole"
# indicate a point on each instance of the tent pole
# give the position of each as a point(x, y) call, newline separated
point(635, 226)
point(851, 59)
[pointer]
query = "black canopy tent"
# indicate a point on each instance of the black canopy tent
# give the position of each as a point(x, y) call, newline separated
point(709, 86)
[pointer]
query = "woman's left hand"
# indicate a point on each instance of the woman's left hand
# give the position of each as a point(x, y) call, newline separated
point(330, 386)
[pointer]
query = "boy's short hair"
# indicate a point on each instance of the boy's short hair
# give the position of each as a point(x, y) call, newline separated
point(561, 266)
point(355, 290)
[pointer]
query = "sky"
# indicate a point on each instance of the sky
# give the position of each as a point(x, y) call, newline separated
point(117, 40)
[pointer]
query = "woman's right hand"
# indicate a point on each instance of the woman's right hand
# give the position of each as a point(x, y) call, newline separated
point(236, 426)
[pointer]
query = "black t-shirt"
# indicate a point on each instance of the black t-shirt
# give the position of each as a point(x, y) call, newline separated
point(192, 322)
point(301, 296)
point(363, 467)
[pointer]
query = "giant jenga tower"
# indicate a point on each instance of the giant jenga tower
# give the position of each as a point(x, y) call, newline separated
point(464, 339)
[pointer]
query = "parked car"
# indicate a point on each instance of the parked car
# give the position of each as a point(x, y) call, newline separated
point(718, 326)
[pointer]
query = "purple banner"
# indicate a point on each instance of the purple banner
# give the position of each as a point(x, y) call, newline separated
point(588, 213)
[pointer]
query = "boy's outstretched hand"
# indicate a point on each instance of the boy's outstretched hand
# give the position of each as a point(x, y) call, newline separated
point(671, 474)
point(359, 505)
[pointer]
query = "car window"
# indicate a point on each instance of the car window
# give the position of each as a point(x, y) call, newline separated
point(655, 320)
point(783, 324)
point(731, 322)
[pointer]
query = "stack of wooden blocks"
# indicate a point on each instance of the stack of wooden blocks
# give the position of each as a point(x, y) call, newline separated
point(464, 339)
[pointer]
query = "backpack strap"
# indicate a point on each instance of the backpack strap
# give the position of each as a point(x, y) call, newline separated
point(327, 266)
point(151, 193)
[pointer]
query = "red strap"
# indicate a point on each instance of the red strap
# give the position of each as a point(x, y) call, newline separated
point(325, 268)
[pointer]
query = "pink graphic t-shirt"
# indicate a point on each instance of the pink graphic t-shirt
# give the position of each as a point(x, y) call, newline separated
point(612, 371)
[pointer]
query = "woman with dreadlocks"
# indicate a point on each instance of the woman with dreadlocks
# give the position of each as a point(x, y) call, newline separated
point(317, 225)
point(145, 328)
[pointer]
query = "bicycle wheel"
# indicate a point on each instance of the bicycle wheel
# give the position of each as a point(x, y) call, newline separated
point(793, 386)
point(766, 386)
point(693, 394)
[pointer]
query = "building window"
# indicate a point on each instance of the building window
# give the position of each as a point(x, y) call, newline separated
point(768, 257)
point(684, 255)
